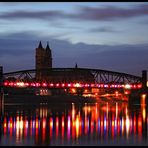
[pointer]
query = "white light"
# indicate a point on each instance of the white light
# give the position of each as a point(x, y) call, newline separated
point(20, 84)
point(21, 124)
point(77, 85)
point(127, 86)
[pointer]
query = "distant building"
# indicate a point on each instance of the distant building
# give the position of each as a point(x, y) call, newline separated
point(44, 71)
point(43, 60)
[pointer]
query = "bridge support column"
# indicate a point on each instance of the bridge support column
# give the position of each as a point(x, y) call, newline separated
point(1, 92)
point(144, 89)
point(144, 79)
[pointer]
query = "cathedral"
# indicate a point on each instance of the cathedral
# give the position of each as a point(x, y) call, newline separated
point(45, 71)
point(43, 60)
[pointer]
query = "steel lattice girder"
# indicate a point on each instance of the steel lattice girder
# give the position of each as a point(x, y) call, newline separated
point(100, 76)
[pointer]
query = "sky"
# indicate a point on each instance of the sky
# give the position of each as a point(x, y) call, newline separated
point(101, 35)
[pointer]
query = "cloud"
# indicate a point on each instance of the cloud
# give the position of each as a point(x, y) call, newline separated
point(19, 54)
point(112, 12)
point(23, 14)
point(103, 29)
point(143, 21)
point(130, 59)
point(10, 3)
point(84, 13)
point(16, 43)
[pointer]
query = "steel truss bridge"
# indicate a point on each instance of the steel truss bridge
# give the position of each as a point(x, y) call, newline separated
point(102, 78)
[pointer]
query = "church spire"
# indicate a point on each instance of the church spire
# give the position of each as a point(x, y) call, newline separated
point(48, 56)
point(47, 47)
point(76, 66)
point(40, 45)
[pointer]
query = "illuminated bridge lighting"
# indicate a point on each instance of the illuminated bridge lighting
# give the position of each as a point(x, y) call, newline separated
point(51, 85)
point(57, 85)
point(63, 85)
point(77, 85)
point(44, 84)
point(32, 84)
point(70, 85)
point(37, 84)
point(26, 84)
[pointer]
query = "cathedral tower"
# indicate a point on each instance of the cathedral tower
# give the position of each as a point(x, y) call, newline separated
point(43, 59)
point(48, 56)
point(39, 57)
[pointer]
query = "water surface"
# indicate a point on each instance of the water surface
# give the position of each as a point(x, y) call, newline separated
point(90, 124)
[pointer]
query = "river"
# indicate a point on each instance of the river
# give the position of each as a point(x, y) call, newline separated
point(74, 124)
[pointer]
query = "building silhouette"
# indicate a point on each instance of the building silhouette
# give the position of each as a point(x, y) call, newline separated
point(43, 60)
point(44, 71)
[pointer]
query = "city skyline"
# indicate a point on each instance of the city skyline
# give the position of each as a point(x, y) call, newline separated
point(110, 36)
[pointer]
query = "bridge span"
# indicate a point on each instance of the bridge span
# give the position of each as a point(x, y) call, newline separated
point(100, 76)
point(69, 78)
point(72, 80)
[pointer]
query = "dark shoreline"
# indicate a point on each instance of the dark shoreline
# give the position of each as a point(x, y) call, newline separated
point(34, 99)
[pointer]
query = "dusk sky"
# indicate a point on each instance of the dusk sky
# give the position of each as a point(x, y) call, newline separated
point(109, 36)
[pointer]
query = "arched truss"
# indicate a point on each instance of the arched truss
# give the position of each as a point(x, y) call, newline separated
point(100, 76)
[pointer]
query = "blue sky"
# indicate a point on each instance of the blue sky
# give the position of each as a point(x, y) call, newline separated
point(109, 35)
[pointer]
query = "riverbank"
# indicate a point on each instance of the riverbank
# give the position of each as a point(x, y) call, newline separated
point(136, 97)
point(36, 99)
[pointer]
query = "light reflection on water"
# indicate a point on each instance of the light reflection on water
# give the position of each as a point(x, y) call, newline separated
point(74, 124)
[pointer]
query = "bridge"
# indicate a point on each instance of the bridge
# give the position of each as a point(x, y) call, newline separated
point(102, 79)
point(74, 81)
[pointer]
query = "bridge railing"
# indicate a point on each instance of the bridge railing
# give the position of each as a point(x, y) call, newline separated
point(22, 84)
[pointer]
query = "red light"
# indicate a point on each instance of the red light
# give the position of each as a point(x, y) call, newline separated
point(63, 85)
point(69, 85)
point(57, 85)
point(5, 83)
point(106, 85)
point(14, 84)
point(126, 92)
point(92, 85)
point(96, 85)
point(37, 84)
point(26, 84)
point(32, 84)
point(139, 85)
point(44, 84)
point(11, 83)
point(102, 85)
point(86, 85)
point(51, 84)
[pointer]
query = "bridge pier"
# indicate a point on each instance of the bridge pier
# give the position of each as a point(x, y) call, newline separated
point(144, 79)
point(140, 96)
point(1, 92)
point(144, 89)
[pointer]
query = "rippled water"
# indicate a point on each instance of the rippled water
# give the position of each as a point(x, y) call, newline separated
point(105, 123)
